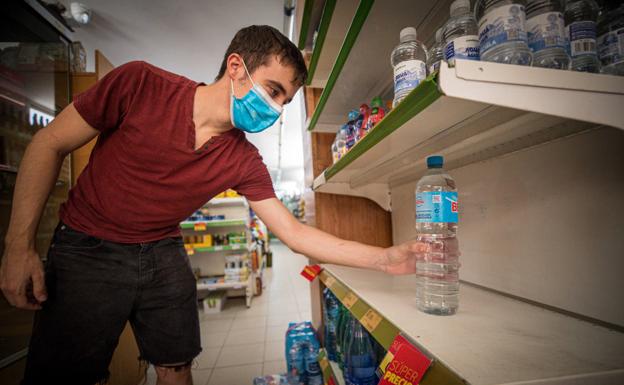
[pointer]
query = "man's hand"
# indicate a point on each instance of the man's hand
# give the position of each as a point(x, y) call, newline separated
point(401, 259)
point(22, 279)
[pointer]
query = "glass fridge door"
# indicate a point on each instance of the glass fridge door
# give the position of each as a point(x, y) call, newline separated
point(34, 87)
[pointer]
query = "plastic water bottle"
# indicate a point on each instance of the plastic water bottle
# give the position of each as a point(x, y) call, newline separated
point(362, 363)
point(580, 23)
point(409, 60)
point(546, 33)
point(330, 319)
point(461, 33)
point(312, 367)
point(437, 271)
point(436, 53)
point(341, 142)
point(502, 31)
point(611, 39)
point(340, 329)
point(297, 358)
point(351, 129)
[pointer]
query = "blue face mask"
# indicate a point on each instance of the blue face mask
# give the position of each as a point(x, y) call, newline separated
point(254, 112)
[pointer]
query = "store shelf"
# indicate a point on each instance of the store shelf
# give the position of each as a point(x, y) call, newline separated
point(493, 339)
point(235, 201)
point(223, 286)
point(188, 225)
point(330, 369)
point(334, 25)
point(469, 113)
point(362, 70)
point(214, 249)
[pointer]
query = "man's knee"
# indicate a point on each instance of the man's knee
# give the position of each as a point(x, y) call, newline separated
point(177, 374)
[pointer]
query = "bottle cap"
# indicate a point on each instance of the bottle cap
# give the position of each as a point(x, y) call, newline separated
point(457, 4)
point(438, 36)
point(376, 102)
point(435, 161)
point(353, 114)
point(407, 34)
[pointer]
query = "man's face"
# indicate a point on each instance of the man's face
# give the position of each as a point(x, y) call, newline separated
point(276, 79)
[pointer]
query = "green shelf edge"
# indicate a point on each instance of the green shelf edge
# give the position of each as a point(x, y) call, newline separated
point(209, 224)
point(328, 11)
point(386, 332)
point(213, 248)
point(354, 30)
point(305, 23)
point(415, 102)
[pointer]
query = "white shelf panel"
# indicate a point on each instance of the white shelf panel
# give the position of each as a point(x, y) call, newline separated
point(479, 111)
point(236, 201)
point(223, 286)
point(494, 339)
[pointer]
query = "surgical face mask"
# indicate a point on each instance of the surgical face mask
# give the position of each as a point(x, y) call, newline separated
point(254, 112)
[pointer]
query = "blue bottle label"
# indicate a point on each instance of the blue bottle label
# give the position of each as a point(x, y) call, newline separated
point(437, 206)
point(611, 47)
point(501, 25)
point(582, 37)
point(463, 47)
point(546, 31)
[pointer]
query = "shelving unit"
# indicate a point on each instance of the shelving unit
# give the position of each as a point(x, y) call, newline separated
point(331, 19)
point(494, 339)
point(211, 259)
point(469, 113)
point(537, 157)
point(330, 369)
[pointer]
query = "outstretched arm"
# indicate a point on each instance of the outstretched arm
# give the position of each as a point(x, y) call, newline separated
point(327, 248)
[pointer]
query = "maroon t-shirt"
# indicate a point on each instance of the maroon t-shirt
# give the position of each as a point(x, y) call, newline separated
point(144, 176)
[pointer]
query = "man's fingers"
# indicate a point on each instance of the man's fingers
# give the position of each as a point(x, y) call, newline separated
point(38, 281)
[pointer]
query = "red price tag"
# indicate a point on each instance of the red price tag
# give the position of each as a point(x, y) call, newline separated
point(199, 226)
point(404, 363)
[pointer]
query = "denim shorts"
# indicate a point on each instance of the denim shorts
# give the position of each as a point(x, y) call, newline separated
point(94, 287)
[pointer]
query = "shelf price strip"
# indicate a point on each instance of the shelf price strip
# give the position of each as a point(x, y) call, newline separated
point(349, 300)
point(370, 320)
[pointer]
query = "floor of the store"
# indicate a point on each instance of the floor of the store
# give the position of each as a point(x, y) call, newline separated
point(241, 343)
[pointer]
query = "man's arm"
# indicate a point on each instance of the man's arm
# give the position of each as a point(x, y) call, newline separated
point(327, 248)
point(37, 175)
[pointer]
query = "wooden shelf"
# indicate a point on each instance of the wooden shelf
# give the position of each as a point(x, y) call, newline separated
point(330, 369)
point(493, 339)
point(469, 113)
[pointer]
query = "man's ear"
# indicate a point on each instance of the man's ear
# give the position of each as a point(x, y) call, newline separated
point(235, 69)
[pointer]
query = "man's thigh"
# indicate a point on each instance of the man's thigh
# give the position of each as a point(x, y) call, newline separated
point(91, 290)
point(165, 320)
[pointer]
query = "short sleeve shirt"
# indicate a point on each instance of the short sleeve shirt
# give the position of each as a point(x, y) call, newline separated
point(144, 175)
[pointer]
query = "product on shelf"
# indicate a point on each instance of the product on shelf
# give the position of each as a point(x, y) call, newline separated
point(502, 31)
point(236, 269)
point(360, 361)
point(362, 121)
point(461, 33)
point(273, 379)
point(352, 129)
point(437, 271)
point(376, 113)
point(546, 34)
point(331, 310)
point(611, 38)
point(436, 53)
point(409, 63)
point(580, 18)
point(302, 349)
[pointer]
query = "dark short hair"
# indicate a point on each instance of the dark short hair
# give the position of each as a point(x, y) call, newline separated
point(258, 43)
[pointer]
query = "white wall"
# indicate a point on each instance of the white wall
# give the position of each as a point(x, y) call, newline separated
point(544, 224)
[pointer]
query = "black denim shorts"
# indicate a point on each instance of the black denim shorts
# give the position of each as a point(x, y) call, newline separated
point(94, 287)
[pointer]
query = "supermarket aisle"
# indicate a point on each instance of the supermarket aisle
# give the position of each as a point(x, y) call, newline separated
point(240, 343)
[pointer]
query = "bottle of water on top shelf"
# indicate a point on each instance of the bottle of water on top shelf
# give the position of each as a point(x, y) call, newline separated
point(502, 31)
point(611, 38)
point(437, 271)
point(580, 23)
point(409, 60)
point(461, 33)
point(436, 53)
point(546, 33)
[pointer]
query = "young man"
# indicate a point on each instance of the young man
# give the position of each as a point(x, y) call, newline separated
point(117, 254)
